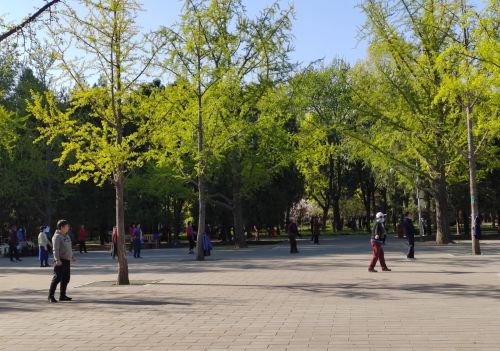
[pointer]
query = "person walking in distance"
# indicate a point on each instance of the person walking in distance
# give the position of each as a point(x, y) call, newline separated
point(409, 231)
point(43, 248)
point(13, 243)
point(293, 233)
point(190, 236)
point(316, 229)
point(63, 255)
point(377, 242)
point(137, 241)
point(82, 238)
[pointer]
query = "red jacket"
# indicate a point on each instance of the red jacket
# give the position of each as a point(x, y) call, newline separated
point(82, 235)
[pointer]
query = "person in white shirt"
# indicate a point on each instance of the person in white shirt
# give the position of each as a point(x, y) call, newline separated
point(43, 247)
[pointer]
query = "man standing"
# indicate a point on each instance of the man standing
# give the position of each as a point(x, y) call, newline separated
point(409, 231)
point(63, 255)
point(137, 241)
point(316, 228)
point(82, 238)
point(13, 242)
point(377, 242)
point(293, 232)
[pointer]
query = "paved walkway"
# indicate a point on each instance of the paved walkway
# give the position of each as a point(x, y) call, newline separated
point(262, 298)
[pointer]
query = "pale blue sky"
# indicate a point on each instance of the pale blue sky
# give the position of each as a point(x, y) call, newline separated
point(322, 29)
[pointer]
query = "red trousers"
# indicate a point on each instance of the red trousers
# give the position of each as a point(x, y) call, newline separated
point(378, 254)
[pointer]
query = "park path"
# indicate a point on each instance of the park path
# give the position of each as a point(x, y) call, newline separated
point(262, 298)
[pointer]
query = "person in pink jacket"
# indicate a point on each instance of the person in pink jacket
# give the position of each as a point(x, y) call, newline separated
point(190, 236)
point(82, 238)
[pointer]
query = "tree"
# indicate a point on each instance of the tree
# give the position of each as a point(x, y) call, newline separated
point(159, 195)
point(397, 92)
point(260, 149)
point(104, 127)
point(325, 95)
point(470, 69)
point(214, 49)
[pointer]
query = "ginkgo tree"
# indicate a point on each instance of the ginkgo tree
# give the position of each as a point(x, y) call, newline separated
point(104, 127)
point(213, 52)
point(470, 68)
point(324, 98)
point(405, 126)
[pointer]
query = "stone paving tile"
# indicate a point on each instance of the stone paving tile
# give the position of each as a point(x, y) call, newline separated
point(262, 299)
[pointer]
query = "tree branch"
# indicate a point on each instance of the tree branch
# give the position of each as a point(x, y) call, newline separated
point(28, 20)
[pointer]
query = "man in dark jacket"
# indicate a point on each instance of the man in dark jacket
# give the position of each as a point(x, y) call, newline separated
point(409, 231)
point(377, 241)
point(13, 242)
point(293, 232)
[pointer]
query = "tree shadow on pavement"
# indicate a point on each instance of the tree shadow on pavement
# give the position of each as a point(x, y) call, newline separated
point(375, 290)
point(89, 300)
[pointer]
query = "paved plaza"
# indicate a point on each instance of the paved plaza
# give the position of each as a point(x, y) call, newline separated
point(261, 298)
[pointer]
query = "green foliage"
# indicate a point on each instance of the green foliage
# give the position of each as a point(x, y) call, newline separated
point(212, 53)
point(8, 135)
point(417, 78)
point(104, 127)
point(470, 68)
point(324, 109)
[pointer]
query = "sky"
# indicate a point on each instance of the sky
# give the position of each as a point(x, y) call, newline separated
point(323, 29)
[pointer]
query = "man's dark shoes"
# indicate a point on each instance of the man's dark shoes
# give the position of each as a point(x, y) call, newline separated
point(372, 270)
point(52, 299)
point(386, 269)
point(65, 298)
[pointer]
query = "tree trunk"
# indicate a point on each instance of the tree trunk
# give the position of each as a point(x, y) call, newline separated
point(336, 213)
point(331, 192)
point(366, 195)
point(177, 220)
point(427, 214)
point(200, 255)
point(474, 207)
point(49, 210)
point(325, 215)
point(123, 278)
point(442, 216)
point(373, 200)
point(383, 196)
point(239, 233)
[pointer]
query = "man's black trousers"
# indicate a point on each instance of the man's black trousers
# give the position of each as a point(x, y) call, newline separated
point(61, 275)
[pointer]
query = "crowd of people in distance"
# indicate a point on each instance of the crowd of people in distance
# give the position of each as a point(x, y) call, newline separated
point(60, 244)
